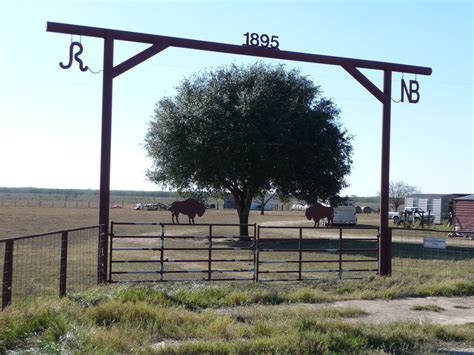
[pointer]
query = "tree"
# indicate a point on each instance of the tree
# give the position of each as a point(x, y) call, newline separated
point(263, 197)
point(249, 129)
point(198, 195)
point(398, 190)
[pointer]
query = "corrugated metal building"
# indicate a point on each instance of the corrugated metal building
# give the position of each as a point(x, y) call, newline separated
point(438, 205)
point(464, 213)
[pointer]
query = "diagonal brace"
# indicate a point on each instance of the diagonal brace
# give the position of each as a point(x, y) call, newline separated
point(138, 58)
point(362, 79)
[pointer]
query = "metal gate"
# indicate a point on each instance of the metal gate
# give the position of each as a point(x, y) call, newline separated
point(158, 252)
point(285, 253)
point(180, 252)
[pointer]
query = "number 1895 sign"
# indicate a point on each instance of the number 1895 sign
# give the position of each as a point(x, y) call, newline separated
point(263, 40)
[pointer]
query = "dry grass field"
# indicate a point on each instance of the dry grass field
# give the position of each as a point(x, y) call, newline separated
point(39, 258)
point(16, 221)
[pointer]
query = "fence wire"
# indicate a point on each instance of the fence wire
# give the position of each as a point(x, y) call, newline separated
point(49, 264)
point(432, 252)
point(36, 266)
point(82, 259)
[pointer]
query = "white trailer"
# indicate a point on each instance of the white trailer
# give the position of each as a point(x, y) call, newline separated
point(345, 214)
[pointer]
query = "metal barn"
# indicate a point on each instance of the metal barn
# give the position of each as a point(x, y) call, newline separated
point(464, 213)
point(437, 205)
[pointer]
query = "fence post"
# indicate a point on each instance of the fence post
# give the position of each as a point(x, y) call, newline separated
point(300, 252)
point(385, 253)
point(110, 250)
point(389, 252)
point(340, 253)
point(63, 265)
point(256, 255)
point(7, 274)
point(162, 250)
point(102, 256)
point(209, 262)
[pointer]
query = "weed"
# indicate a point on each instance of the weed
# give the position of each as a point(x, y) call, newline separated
point(461, 307)
point(28, 320)
point(448, 288)
point(427, 307)
point(128, 319)
point(347, 312)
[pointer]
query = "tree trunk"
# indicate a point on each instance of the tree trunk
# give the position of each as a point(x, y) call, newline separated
point(264, 203)
point(396, 205)
point(242, 203)
point(244, 219)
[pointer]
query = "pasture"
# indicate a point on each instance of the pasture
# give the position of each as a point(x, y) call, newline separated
point(216, 317)
point(409, 256)
point(15, 221)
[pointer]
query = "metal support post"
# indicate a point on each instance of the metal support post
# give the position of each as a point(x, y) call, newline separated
point(7, 274)
point(63, 265)
point(300, 253)
point(106, 141)
point(340, 253)
point(384, 250)
point(209, 261)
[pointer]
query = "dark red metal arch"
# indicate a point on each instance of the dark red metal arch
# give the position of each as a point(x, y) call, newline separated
point(159, 43)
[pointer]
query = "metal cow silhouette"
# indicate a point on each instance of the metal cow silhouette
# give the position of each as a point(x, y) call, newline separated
point(189, 207)
point(318, 212)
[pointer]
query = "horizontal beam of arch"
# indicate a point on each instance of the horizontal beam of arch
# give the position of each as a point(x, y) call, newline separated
point(232, 48)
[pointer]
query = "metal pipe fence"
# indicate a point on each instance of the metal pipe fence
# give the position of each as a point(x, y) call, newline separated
point(73, 260)
point(210, 252)
point(297, 253)
point(49, 263)
point(431, 251)
point(180, 252)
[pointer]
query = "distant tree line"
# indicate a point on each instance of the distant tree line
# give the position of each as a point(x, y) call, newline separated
point(86, 192)
point(362, 199)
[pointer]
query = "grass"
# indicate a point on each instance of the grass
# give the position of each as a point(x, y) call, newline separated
point(462, 307)
point(196, 318)
point(196, 296)
point(427, 307)
point(217, 317)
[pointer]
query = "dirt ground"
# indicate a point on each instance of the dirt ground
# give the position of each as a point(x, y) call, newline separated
point(450, 310)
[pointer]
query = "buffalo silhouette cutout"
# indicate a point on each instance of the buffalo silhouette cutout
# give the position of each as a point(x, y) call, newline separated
point(189, 207)
point(318, 212)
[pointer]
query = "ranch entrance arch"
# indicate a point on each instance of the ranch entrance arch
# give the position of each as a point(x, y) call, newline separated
point(159, 43)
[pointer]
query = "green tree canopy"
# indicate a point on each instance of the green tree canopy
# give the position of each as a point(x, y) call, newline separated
point(247, 129)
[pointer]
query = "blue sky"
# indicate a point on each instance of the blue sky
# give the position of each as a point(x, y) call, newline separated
point(50, 118)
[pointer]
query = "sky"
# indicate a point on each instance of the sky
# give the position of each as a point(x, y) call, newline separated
point(50, 118)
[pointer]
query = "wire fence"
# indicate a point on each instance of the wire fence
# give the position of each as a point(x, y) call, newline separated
point(429, 251)
point(49, 264)
point(70, 203)
point(68, 260)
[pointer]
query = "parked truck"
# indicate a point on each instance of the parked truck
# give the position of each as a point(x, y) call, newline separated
point(412, 215)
